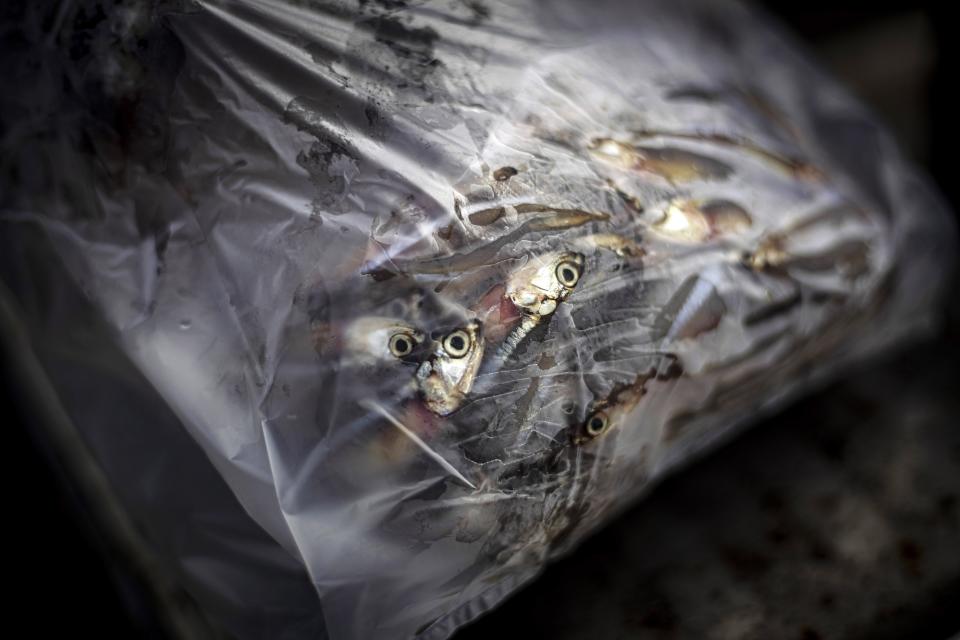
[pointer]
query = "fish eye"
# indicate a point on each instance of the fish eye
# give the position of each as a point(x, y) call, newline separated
point(401, 344)
point(568, 273)
point(596, 424)
point(456, 343)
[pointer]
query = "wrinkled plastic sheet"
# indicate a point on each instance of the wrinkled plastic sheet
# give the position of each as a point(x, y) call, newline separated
point(437, 288)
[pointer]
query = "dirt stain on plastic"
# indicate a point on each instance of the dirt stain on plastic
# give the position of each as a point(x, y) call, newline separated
point(411, 45)
point(480, 12)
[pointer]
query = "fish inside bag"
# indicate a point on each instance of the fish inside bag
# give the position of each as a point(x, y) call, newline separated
point(439, 288)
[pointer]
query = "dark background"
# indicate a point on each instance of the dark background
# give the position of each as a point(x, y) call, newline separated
point(900, 58)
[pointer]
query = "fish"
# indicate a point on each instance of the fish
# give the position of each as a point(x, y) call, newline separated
point(798, 168)
point(696, 221)
point(537, 288)
point(782, 249)
point(673, 164)
point(385, 329)
point(694, 309)
point(376, 339)
point(622, 246)
point(546, 217)
point(607, 413)
point(446, 376)
point(541, 219)
point(444, 368)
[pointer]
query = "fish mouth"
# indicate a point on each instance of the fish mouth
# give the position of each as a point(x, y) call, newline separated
point(433, 391)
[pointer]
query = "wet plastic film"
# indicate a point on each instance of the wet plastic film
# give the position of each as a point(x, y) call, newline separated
point(438, 288)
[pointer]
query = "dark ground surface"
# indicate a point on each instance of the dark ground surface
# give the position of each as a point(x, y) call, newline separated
point(838, 518)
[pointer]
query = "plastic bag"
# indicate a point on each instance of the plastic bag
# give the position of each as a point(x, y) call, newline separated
point(440, 287)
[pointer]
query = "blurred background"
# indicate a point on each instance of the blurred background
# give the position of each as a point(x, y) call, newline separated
point(838, 518)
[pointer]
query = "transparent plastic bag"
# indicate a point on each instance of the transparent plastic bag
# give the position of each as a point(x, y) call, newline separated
point(439, 288)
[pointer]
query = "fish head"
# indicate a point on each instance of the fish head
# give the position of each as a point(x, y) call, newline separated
point(377, 339)
point(447, 375)
point(693, 221)
point(613, 152)
point(545, 281)
point(610, 412)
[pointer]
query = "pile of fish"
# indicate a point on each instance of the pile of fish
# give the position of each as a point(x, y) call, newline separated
point(553, 359)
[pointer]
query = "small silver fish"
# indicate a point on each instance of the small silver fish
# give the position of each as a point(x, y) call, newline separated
point(798, 168)
point(445, 368)
point(368, 341)
point(622, 246)
point(537, 288)
point(693, 309)
point(674, 165)
point(610, 411)
point(793, 246)
point(695, 221)
point(445, 378)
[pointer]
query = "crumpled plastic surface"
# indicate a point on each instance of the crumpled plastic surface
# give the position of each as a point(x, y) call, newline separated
point(439, 287)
